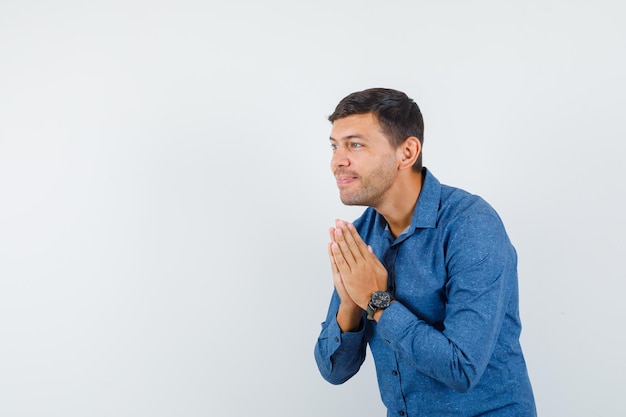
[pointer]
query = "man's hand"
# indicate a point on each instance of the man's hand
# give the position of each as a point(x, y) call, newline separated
point(349, 314)
point(357, 272)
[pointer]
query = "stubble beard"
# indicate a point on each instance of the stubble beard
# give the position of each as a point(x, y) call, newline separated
point(373, 187)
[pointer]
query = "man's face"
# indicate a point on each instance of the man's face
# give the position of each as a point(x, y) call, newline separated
point(364, 162)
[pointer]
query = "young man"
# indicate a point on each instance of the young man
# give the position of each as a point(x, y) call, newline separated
point(427, 275)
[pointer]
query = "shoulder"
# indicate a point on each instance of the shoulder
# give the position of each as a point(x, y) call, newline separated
point(471, 225)
point(457, 205)
point(440, 204)
point(472, 230)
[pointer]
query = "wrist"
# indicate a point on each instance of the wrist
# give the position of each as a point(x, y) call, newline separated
point(380, 312)
point(379, 301)
point(349, 317)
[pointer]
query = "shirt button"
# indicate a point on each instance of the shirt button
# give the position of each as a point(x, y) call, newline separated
point(394, 372)
point(336, 339)
point(401, 413)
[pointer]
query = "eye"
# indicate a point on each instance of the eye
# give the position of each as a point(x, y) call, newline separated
point(333, 146)
point(356, 145)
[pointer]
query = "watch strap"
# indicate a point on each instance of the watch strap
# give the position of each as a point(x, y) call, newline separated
point(370, 311)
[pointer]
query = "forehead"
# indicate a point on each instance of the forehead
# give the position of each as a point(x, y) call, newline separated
point(364, 126)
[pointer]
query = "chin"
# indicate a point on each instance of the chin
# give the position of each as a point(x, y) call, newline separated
point(351, 200)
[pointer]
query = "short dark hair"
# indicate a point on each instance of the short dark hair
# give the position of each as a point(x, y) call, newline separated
point(399, 116)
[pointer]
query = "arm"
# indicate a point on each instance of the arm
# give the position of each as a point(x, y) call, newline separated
point(339, 355)
point(341, 346)
point(481, 279)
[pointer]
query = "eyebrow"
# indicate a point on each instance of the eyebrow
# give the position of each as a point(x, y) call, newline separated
point(348, 138)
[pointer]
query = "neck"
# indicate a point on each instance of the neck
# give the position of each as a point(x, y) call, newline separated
point(399, 203)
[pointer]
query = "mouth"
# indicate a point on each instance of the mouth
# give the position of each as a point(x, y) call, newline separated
point(345, 179)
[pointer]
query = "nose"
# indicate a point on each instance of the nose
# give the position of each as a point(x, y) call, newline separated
point(340, 159)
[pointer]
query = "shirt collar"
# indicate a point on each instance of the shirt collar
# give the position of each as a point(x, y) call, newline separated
point(426, 209)
point(425, 213)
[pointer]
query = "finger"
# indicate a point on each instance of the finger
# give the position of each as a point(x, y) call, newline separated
point(373, 256)
point(354, 241)
point(343, 246)
point(337, 281)
point(339, 257)
point(333, 264)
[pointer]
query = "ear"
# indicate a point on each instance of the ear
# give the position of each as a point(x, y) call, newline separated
point(408, 152)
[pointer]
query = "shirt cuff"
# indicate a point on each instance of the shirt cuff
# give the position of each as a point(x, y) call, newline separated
point(346, 340)
point(394, 321)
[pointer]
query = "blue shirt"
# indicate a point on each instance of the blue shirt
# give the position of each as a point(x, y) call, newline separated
point(449, 345)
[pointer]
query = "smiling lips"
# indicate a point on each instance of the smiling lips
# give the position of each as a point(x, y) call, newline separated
point(345, 178)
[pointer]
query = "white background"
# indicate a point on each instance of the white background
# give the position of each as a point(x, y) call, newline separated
point(165, 192)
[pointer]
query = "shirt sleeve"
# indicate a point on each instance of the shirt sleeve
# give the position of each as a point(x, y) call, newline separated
point(339, 356)
point(481, 277)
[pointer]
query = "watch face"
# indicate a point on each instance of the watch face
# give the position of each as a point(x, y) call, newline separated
point(381, 299)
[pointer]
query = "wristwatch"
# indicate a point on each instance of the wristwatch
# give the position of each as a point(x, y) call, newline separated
point(380, 300)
